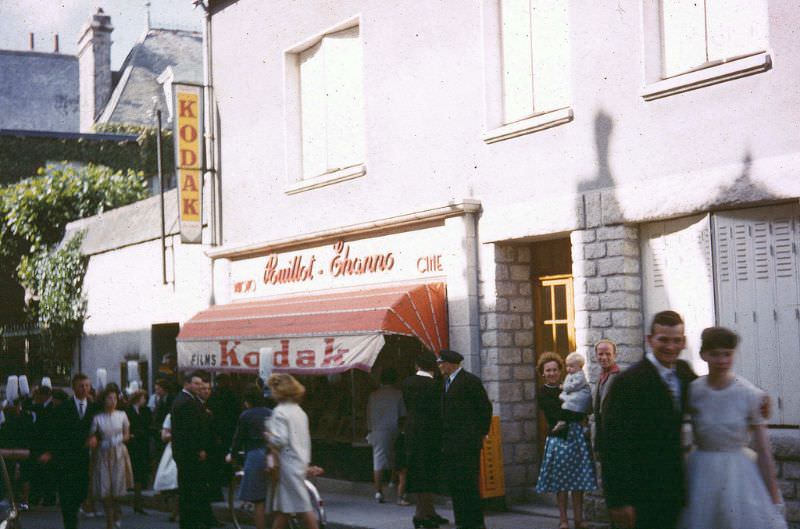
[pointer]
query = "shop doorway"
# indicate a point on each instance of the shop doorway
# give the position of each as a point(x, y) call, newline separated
point(337, 409)
point(164, 349)
point(554, 305)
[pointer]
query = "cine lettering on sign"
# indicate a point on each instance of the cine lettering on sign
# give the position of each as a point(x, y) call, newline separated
point(188, 134)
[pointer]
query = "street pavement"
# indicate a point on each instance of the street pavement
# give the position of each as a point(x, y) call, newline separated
point(50, 518)
point(345, 511)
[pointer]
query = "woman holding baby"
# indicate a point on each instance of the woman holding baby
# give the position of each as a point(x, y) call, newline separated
point(567, 465)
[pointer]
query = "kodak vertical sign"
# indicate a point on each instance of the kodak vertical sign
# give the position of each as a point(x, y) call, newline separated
point(188, 120)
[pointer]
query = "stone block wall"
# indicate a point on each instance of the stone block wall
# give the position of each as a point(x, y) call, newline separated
point(507, 360)
point(786, 448)
point(608, 304)
point(608, 292)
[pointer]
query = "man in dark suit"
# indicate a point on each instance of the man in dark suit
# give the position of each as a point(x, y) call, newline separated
point(643, 472)
point(191, 436)
point(69, 448)
point(466, 418)
point(43, 480)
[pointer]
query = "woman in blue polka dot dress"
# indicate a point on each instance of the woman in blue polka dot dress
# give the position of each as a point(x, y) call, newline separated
point(567, 465)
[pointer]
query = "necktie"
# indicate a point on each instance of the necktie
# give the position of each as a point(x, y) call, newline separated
point(80, 409)
point(674, 388)
point(447, 384)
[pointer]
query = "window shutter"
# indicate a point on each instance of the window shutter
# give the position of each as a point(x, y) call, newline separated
point(535, 47)
point(331, 99)
point(735, 28)
point(312, 101)
point(343, 86)
point(550, 52)
point(677, 274)
point(759, 299)
point(683, 35)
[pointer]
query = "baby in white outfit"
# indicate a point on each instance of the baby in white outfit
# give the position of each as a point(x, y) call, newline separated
point(576, 395)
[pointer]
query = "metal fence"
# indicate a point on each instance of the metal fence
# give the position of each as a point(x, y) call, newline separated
point(27, 349)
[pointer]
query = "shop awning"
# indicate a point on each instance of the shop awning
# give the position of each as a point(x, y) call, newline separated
point(314, 333)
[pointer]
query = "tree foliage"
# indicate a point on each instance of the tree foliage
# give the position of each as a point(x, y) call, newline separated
point(57, 279)
point(33, 217)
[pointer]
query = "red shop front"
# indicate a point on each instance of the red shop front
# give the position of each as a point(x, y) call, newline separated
point(335, 342)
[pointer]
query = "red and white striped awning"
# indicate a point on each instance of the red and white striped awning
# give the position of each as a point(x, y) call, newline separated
point(314, 333)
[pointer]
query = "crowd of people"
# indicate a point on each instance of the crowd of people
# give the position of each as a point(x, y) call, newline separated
point(91, 448)
point(96, 446)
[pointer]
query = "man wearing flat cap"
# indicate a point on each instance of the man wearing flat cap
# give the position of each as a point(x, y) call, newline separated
point(466, 417)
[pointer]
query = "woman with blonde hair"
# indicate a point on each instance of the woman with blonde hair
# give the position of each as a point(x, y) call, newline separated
point(288, 435)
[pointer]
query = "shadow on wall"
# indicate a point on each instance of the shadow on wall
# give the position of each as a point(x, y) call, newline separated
point(742, 190)
point(603, 127)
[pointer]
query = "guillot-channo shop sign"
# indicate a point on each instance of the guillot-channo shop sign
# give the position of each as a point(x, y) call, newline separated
point(421, 254)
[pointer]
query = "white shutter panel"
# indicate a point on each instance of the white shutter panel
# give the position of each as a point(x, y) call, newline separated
point(550, 52)
point(343, 87)
point(517, 61)
point(677, 275)
point(758, 293)
point(736, 27)
point(785, 239)
point(312, 104)
point(683, 35)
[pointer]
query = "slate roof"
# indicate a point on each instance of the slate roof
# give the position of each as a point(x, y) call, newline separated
point(131, 101)
point(39, 91)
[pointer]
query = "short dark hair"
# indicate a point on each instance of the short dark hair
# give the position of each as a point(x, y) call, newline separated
point(105, 393)
point(44, 391)
point(60, 394)
point(253, 395)
point(718, 338)
point(666, 318)
point(79, 377)
point(202, 375)
point(426, 361)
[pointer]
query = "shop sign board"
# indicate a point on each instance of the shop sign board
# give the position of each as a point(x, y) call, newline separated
point(188, 134)
point(316, 355)
point(420, 254)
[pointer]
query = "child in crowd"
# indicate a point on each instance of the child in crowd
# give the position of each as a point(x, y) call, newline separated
point(576, 396)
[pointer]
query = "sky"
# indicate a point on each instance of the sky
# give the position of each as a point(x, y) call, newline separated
point(45, 18)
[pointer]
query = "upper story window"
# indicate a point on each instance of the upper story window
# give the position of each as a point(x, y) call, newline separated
point(535, 57)
point(689, 44)
point(331, 103)
point(701, 33)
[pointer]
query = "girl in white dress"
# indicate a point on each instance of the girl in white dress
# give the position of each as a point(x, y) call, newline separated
point(112, 473)
point(726, 487)
point(287, 433)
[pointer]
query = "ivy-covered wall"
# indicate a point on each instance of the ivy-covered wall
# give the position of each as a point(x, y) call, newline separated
point(119, 147)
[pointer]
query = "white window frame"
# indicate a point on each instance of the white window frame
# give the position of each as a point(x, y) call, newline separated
point(496, 128)
point(712, 72)
point(296, 181)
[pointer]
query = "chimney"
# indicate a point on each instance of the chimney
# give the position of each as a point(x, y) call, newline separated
point(94, 62)
point(55, 43)
point(30, 41)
